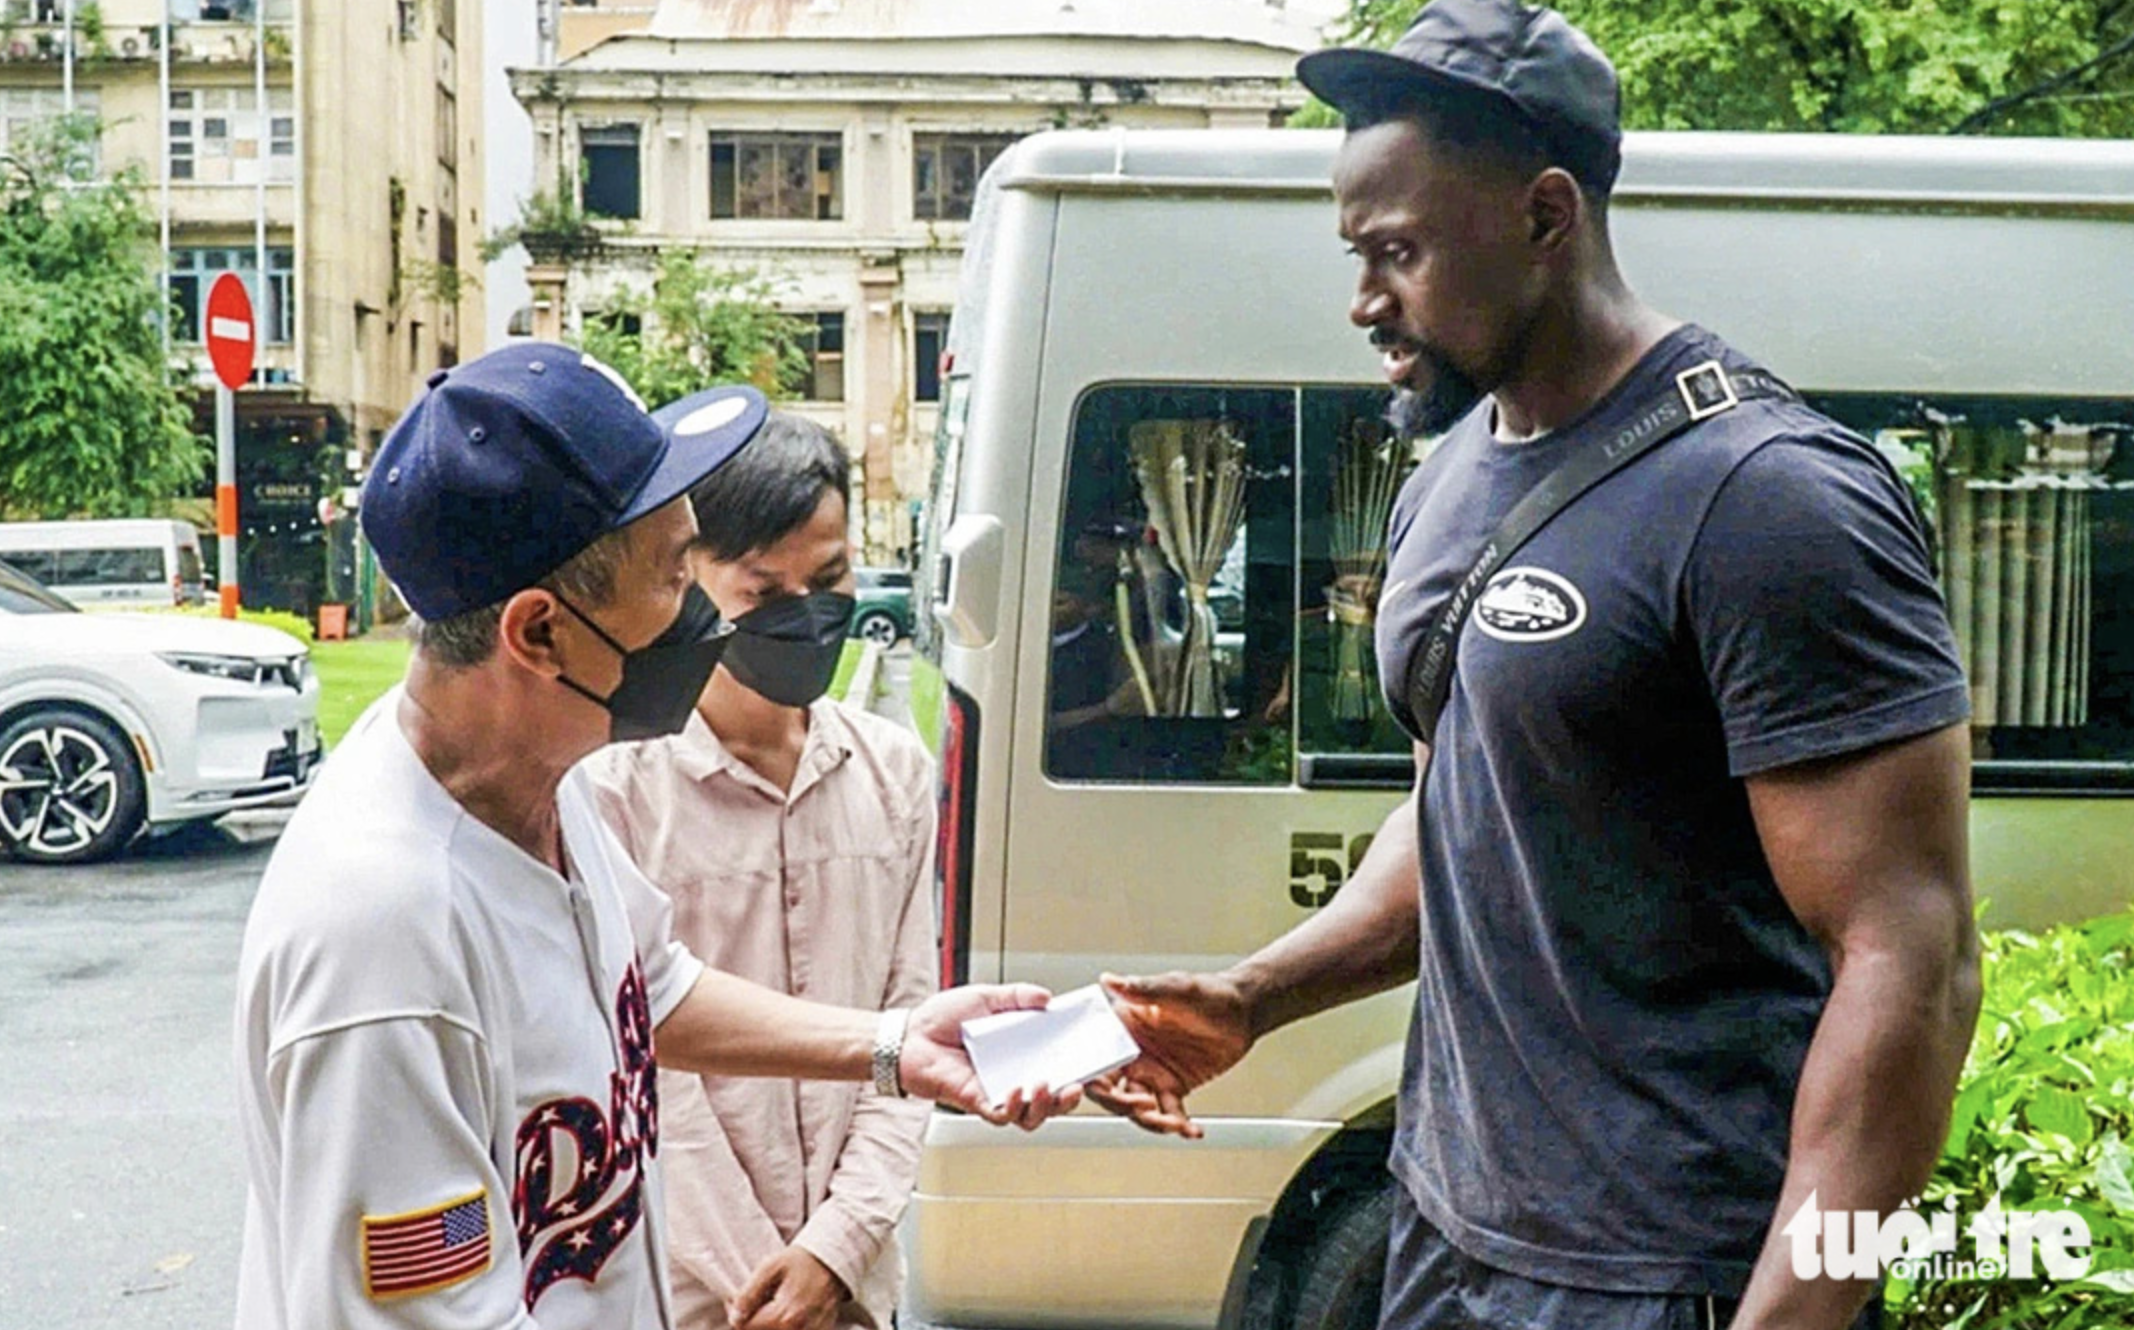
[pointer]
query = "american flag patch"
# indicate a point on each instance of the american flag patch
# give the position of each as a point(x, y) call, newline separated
point(426, 1249)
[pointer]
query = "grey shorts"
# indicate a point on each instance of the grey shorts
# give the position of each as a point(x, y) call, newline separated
point(1433, 1285)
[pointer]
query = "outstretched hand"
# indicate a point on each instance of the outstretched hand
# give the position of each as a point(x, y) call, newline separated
point(934, 1065)
point(1191, 1029)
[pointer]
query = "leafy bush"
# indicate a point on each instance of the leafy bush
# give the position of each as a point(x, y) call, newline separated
point(698, 324)
point(2042, 1122)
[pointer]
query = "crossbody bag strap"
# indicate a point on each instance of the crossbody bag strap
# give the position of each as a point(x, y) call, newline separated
point(1701, 392)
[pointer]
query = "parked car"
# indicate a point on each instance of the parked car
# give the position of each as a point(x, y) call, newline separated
point(114, 722)
point(113, 563)
point(884, 614)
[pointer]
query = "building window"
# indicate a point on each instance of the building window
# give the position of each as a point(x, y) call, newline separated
point(608, 163)
point(215, 136)
point(194, 270)
point(945, 170)
point(227, 11)
point(791, 177)
point(929, 338)
point(22, 109)
point(447, 128)
point(822, 379)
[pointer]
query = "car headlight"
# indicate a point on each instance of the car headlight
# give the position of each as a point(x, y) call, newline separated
point(237, 669)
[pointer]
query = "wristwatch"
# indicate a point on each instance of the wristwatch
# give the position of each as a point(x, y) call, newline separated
point(889, 1052)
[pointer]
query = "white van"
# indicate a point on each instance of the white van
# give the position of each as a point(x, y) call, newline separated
point(1144, 306)
point(98, 564)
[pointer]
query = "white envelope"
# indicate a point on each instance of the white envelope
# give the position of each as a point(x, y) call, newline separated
point(1076, 1039)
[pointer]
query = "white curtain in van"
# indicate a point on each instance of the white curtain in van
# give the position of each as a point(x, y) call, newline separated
point(1192, 476)
point(1368, 468)
point(2016, 566)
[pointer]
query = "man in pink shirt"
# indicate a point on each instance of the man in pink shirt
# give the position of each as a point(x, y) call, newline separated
point(795, 835)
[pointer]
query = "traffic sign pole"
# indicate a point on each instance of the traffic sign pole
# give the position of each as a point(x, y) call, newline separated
point(232, 338)
point(226, 498)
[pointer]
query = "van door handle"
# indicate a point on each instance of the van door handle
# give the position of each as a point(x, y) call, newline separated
point(969, 609)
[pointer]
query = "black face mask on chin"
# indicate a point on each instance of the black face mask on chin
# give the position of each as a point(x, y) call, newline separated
point(662, 679)
point(787, 649)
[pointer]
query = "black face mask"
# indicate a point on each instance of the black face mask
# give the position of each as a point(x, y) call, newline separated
point(662, 679)
point(787, 650)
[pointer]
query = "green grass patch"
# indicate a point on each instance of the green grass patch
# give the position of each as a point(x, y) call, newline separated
point(848, 664)
point(352, 675)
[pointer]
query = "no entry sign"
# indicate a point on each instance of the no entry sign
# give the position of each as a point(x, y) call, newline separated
point(231, 333)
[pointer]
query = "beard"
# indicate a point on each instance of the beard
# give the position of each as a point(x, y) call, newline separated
point(1430, 411)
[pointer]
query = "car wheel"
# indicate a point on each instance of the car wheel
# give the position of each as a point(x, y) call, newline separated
point(879, 628)
point(1343, 1276)
point(70, 790)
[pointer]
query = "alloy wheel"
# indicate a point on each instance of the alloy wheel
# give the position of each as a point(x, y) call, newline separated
point(879, 629)
point(59, 790)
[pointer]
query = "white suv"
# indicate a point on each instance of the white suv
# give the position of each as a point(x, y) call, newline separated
point(113, 722)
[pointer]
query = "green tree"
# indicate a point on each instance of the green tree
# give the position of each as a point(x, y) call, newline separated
point(93, 421)
point(2063, 67)
point(696, 326)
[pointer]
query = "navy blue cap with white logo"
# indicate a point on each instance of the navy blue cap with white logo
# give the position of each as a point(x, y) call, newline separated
point(704, 421)
point(509, 465)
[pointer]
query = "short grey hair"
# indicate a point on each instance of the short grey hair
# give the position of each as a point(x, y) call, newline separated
point(587, 579)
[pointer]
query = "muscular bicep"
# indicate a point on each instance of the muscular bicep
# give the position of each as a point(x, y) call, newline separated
point(1871, 849)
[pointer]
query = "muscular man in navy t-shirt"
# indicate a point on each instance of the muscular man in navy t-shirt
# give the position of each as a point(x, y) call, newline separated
point(1684, 881)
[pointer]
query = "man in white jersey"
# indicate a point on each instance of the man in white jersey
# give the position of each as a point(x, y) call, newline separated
point(452, 976)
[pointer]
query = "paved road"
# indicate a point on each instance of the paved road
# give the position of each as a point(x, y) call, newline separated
point(120, 1170)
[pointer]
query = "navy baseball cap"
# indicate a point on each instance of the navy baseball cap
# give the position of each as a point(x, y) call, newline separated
point(509, 465)
point(1527, 59)
point(703, 421)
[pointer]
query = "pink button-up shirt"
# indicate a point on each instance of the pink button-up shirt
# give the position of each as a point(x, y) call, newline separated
point(826, 892)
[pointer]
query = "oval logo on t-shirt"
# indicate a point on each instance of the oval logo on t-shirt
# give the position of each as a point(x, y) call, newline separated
point(1529, 605)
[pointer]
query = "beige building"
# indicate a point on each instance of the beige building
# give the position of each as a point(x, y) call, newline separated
point(835, 147)
point(322, 144)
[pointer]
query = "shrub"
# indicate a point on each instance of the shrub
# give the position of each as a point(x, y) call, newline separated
point(2043, 1120)
point(295, 625)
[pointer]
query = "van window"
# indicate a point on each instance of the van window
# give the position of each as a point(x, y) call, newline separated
point(1268, 507)
point(1352, 469)
point(931, 581)
point(110, 567)
point(1173, 602)
point(2029, 507)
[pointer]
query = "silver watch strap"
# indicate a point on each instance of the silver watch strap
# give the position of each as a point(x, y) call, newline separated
point(889, 1052)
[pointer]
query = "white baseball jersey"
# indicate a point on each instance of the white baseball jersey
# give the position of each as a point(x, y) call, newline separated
point(449, 1102)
